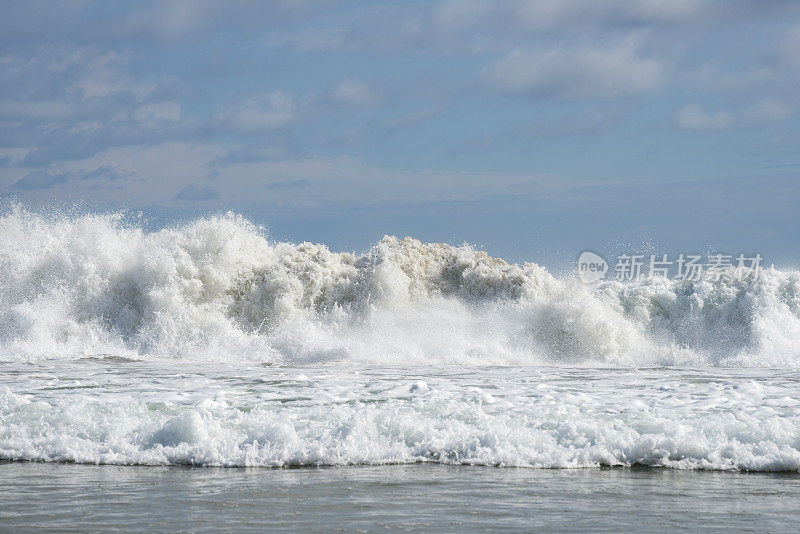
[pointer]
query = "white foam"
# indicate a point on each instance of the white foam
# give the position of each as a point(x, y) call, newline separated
point(217, 289)
point(224, 416)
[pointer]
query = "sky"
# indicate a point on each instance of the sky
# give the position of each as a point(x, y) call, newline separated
point(532, 129)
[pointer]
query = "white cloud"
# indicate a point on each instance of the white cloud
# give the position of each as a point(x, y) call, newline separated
point(542, 13)
point(577, 72)
point(694, 117)
point(344, 180)
point(453, 16)
point(456, 15)
point(172, 18)
point(177, 19)
point(105, 76)
point(768, 111)
point(306, 39)
point(14, 155)
point(354, 93)
point(49, 110)
point(168, 111)
point(790, 44)
point(85, 126)
point(260, 113)
point(152, 174)
point(175, 173)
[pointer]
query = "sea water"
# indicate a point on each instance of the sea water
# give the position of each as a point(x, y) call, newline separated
point(211, 345)
point(393, 498)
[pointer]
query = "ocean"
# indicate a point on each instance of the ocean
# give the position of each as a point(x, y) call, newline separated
point(184, 372)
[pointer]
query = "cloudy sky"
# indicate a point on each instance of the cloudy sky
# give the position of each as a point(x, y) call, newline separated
point(535, 129)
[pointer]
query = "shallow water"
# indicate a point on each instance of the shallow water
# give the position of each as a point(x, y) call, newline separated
point(419, 497)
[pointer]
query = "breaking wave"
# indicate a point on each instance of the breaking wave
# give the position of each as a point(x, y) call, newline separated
point(218, 289)
point(123, 346)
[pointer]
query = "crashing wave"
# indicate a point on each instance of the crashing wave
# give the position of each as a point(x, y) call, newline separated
point(218, 289)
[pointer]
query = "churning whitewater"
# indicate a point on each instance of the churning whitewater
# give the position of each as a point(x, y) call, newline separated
point(209, 344)
point(217, 289)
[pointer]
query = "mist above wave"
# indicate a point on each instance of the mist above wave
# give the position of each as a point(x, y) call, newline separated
point(217, 288)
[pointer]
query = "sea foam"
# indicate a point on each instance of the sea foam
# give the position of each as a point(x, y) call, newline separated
point(156, 413)
point(219, 289)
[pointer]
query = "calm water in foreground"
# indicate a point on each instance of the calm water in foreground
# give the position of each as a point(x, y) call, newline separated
point(419, 497)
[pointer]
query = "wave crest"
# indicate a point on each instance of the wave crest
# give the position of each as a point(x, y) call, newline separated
point(217, 288)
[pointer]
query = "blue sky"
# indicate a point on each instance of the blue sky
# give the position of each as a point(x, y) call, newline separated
point(535, 129)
